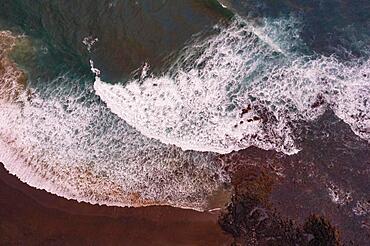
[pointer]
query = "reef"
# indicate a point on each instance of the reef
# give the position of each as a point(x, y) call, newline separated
point(252, 220)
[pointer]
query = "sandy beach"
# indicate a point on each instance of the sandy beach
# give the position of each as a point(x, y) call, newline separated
point(35, 217)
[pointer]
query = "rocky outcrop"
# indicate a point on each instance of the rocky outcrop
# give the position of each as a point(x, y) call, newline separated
point(252, 220)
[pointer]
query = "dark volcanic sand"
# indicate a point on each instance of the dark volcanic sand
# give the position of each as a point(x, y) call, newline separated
point(34, 217)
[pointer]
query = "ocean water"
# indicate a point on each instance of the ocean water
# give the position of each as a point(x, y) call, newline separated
point(131, 103)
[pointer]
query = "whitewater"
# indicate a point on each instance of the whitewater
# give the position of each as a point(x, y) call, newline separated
point(156, 140)
point(246, 86)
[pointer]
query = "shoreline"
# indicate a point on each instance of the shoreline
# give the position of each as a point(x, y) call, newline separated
point(25, 208)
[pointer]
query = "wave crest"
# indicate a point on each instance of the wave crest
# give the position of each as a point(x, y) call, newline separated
point(245, 86)
point(61, 138)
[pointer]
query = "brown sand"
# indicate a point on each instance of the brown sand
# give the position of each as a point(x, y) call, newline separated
point(34, 217)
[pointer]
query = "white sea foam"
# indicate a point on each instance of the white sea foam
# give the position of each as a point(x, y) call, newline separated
point(64, 141)
point(89, 42)
point(245, 86)
point(60, 138)
point(223, 4)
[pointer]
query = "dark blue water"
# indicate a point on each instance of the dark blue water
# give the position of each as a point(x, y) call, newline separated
point(138, 30)
point(151, 30)
point(329, 27)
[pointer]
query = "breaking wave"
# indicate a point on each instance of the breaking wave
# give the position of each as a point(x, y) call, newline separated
point(61, 138)
point(247, 85)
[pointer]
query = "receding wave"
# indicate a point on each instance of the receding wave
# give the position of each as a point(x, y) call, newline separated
point(247, 85)
point(62, 139)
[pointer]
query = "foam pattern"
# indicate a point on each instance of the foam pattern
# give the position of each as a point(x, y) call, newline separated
point(11, 79)
point(62, 139)
point(247, 85)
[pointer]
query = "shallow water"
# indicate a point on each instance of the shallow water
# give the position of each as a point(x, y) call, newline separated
point(65, 139)
point(179, 83)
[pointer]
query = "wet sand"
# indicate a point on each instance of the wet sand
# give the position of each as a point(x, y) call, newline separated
point(286, 191)
point(35, 217)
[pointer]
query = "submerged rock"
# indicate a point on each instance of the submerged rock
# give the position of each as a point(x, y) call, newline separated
point(252, 220)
